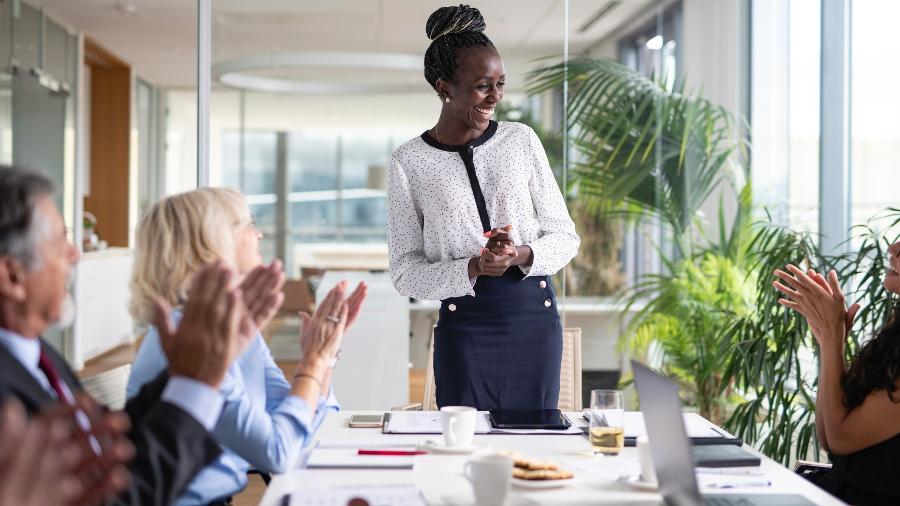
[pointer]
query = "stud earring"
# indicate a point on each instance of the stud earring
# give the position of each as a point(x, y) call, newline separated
point(447, 99)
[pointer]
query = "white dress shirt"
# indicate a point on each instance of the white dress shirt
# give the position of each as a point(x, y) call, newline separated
point(197, 399)
point(433, 222)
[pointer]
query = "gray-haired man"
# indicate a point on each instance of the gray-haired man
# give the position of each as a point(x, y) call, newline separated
point(171, 416)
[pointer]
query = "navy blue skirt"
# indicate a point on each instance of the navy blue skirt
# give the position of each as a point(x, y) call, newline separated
point(501, 348)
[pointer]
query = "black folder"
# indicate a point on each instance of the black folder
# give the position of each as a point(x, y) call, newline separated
point(723, 456)
point(552, 419)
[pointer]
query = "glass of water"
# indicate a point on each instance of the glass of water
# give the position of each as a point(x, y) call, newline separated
point(607, 422)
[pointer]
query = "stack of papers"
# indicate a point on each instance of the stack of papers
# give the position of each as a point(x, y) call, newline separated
point(351, 459)
point(367, 444)
point(425, 422)
point(344, 454)
point(698, 429)
point(395, 495)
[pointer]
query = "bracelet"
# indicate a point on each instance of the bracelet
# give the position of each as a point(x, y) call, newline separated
point(310, 376)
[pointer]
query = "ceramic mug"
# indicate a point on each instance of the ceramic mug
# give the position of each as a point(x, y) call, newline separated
point(458, 426)
point(490, 476)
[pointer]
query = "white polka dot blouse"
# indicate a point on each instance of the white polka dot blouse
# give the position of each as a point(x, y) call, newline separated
point(433, 223)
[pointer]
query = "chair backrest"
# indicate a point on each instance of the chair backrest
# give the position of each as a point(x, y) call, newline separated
point(570, 371)
point(429, 402)
point(569, 374)
point(108, 388)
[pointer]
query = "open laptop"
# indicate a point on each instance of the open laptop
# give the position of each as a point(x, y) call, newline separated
point(671, 450)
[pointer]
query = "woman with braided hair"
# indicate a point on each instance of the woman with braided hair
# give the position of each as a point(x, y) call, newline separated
point(476, 220)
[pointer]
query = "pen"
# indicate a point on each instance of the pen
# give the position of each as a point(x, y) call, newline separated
point(740, 484)
point(734, 471)
point(391, 452)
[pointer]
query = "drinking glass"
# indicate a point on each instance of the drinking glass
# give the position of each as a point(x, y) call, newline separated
point(607, 422)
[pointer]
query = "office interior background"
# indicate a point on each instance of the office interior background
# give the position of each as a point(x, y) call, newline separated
point(308, 99)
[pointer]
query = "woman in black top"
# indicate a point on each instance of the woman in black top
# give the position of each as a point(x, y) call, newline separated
point(857, 408)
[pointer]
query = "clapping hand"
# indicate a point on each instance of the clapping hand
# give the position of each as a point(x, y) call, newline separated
point(105, 450)
point(261, 290)
point(51, 459)
point(37, 458)
point(212, 331)
point(820, 300)
point(323, 332)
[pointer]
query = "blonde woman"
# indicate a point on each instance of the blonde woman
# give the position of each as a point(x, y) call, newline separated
point(266, 418)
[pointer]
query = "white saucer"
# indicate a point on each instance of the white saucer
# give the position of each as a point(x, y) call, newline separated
point(542, 484)
point(441, 447)
point(635, 481)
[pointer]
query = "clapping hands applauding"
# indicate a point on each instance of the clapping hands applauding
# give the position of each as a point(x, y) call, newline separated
point(52, 459)
point(820, 300)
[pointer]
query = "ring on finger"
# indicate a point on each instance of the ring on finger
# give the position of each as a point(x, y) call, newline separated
point(332, 318)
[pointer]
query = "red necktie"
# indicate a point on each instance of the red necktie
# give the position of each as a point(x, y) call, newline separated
point(55, 381)
point(64, 395)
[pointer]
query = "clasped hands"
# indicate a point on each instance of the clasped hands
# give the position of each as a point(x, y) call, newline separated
point(820, 300)
point(499, 254)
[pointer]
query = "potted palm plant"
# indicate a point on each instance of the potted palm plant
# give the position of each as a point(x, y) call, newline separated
point(711, 321)
point(648, 153)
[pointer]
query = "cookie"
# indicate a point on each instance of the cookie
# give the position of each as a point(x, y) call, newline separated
point(542, 474)
point(522, 462)
point(536, 465)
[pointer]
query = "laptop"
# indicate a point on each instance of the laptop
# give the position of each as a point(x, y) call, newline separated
point(671, 449)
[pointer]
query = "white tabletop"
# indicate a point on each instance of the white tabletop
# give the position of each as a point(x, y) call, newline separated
point(440, 478)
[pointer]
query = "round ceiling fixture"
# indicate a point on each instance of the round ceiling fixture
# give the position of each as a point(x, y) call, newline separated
point(239, 72)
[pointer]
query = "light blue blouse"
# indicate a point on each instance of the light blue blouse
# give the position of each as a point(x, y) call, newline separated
point(261, 426)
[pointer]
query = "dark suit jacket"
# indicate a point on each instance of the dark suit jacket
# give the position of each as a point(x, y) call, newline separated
point(172, 447)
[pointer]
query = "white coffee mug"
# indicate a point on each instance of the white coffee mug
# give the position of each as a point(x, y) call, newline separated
point(490, 476)
point(648, 473)
point(458, 426)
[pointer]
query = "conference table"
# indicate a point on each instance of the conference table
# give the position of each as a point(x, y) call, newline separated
point(440, 477)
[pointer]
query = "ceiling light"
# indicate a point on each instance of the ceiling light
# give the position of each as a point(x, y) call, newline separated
point(656, 43)
point(239, 72)
point(126, 9)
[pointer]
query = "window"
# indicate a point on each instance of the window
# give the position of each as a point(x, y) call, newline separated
point(804, 64)
point(337, 185)
point(653, 51)
point(875, 105)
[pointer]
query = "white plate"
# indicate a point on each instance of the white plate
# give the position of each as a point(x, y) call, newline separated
point(542, 484)
point(440, 447)
point(636, 482)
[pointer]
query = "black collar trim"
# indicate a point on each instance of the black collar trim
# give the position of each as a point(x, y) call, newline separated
point(474, 143)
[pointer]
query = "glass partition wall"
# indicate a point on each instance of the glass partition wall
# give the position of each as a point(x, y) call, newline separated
point(37, 106)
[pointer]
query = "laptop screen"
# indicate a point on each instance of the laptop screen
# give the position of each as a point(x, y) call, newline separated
point(669, 444)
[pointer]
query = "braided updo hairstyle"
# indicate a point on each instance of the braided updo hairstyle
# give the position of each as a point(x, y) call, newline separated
point(452, 30)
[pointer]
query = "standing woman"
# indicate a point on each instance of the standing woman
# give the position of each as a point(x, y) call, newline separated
point(476, 220)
